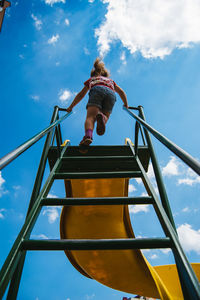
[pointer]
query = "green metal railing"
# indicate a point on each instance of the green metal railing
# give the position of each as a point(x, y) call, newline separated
point(4, 161)
point(51, 131)
point(183, 155)
point(189, 282)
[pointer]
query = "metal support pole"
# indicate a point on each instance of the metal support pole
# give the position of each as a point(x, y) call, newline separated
point(187, 276)
point(136, 137)
point(188, 279)
point(15, 253)
point(166, 206)
point(158, 174)
point(16, 278)
point(142, 135)
point(58, 142)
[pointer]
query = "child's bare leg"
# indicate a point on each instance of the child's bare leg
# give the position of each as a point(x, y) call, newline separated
point(92, 112)
point(107, 114)
point(102, 119)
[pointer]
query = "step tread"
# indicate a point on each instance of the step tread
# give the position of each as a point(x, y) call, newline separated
point(91, 175)
point(102, 158)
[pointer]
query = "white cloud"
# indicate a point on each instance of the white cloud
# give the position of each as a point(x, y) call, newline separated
point(37, 22)
point(152, 179)
point(144, 251)
point(91, 1)
point(191, 178)
point(189, 238)
point(155, 28)
point(2, 180)
point(53, 39)
point(191, 173)
point(166, 251)
point(2, 190)
point(185, 209)
point(144, 194)
point(172, 167)
point(65, 95)
point(86, 51)
point(40, 236)
point(21, 56)
point(16, 187)
point(176, 168)
point(134, 209)
point(52, 214)
point(51, 196)
point(123, 58)
point(52, 2)
point(153, 256)
point(89, 297)
point(2, 210)
point(131, 188)
point(189, 181)
point(67, 22)
point(36, 98)
point(150, 172)
point(138, 180)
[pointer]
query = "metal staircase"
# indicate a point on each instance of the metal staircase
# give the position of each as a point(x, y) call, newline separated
point(128, 161)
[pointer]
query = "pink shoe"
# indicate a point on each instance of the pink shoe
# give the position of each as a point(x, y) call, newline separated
point(101, 123)
point(86, 141)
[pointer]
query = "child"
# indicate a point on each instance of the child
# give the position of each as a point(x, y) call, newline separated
point(101, 100)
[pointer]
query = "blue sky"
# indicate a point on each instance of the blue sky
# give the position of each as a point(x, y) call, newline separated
point(152, 49)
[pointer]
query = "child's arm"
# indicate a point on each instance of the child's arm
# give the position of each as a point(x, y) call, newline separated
point(78, 98)
point(122, 95)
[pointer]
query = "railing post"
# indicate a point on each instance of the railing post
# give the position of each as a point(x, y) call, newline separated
point(158, 174)
point(141, 131)
point(136, 137)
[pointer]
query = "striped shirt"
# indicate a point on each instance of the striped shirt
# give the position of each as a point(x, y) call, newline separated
point(100, 80)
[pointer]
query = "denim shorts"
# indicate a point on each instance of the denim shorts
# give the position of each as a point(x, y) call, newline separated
point(102, 97)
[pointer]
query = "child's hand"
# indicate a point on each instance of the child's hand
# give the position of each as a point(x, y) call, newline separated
point(125, 105)
point(69, 109)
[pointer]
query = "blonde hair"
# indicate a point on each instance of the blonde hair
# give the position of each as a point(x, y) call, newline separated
point(99, 69)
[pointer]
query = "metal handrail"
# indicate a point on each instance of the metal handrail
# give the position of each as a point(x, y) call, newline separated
point(183, 155)
point(8, 158)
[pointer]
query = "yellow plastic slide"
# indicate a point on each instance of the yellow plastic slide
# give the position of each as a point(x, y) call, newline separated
point(124, 270)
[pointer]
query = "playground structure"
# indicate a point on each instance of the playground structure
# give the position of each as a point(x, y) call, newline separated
point(3, 5)
point(96, 233)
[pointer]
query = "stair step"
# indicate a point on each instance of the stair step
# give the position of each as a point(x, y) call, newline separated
point(107, 157)
point(100, 244)
point(104, 157)
point(92, 175)
point(99, 150)
point(97, 201)
point(98, 163)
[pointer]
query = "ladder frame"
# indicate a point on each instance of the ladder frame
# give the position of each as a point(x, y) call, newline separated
point(13, 266)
